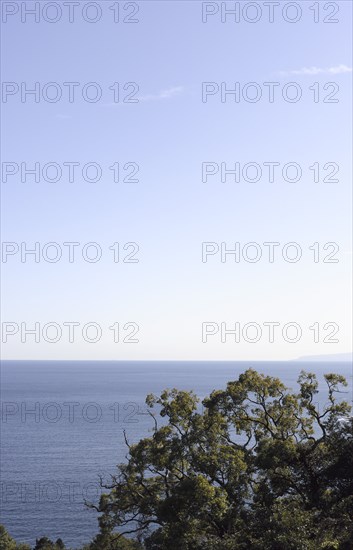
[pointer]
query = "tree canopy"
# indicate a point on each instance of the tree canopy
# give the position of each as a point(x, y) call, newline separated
point(260, 467)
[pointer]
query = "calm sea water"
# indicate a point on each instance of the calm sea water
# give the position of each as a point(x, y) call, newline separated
point(62, 425)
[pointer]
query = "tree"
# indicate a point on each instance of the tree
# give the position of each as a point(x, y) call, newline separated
point(46, 544)
point(110, 541)
point(259, 468)
point(8, 543)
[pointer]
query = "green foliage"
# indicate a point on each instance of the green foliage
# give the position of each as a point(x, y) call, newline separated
point(112, 542)
point(8, 543)
point(260, 468)
point(46, 544)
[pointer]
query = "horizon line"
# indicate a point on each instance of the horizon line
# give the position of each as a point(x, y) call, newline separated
point(302, 358)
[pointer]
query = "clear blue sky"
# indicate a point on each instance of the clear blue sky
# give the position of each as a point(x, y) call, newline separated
point(170, 211)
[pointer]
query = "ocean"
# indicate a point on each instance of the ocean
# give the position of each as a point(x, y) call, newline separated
point(63, 423)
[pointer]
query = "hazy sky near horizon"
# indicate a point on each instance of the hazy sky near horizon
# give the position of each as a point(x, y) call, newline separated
point(167, 135)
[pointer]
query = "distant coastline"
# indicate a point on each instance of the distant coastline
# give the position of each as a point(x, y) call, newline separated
point(334, 357)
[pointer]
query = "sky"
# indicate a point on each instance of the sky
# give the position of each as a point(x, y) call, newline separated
point(158, 283)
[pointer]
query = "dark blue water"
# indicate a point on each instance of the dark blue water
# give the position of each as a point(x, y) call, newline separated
point(62, 425)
